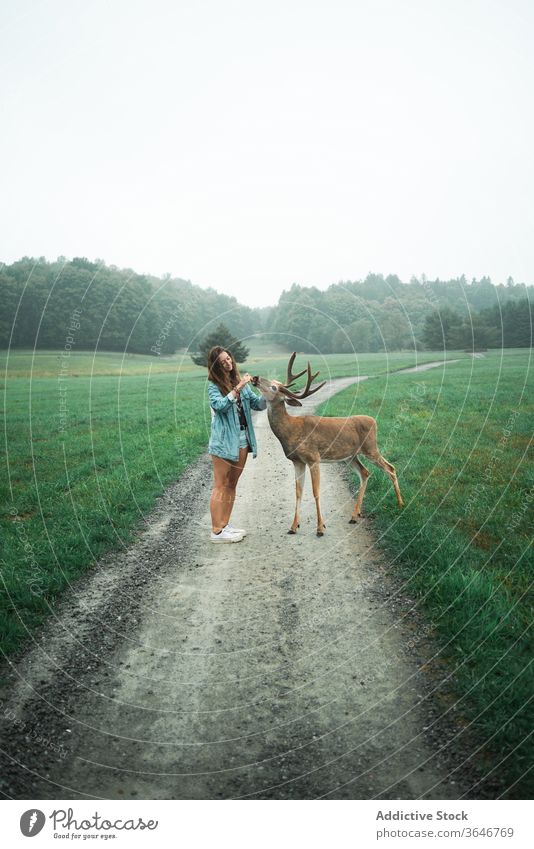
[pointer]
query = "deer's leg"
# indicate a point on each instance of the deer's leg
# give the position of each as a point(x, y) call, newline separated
point(376, 458)
point(363, 474)
point(315, 471)
point(300, 474)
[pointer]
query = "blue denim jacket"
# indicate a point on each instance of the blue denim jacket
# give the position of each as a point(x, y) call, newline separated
point(224, 438)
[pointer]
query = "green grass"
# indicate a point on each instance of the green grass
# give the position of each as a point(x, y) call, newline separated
point(80, 492)
point(461, 441)
point(31, 364)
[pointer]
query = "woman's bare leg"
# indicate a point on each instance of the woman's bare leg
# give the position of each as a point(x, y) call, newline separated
point(218, 493)
point(234, 473)
point(226, 474)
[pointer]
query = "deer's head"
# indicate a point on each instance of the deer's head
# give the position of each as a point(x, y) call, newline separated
point(280, 393)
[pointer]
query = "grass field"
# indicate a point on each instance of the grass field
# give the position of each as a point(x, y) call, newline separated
point(91, 441)
point(33, 364)
point(461, 441)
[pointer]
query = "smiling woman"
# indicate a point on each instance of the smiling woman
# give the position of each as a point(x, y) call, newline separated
point(232, 437)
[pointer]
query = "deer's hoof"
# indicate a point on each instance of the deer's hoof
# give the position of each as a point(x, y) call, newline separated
point(291, 531)
point(320, 533)
point(353, 521)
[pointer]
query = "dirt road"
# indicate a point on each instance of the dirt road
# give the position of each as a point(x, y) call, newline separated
point(278, 667)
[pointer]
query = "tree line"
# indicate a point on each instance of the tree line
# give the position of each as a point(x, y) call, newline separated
point(509, 325)
point(120, 310)
point(385, 314)
point(117, 309)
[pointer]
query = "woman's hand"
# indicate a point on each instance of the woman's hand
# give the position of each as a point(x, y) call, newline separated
point(244, 380)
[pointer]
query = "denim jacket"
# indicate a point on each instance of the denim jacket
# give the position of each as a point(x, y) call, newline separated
point(224, 438)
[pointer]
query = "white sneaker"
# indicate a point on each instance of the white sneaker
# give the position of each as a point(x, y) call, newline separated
point(233, 530)
point(226, 536)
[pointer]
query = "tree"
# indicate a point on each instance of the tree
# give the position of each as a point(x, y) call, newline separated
point(436, 332)
point(473, 335)
point(363, 335)
point(220, 336)
point(513, 323)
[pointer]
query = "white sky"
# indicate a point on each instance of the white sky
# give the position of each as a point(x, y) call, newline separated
point(248, 145)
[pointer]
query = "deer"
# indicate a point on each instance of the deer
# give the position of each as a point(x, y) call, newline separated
point(312, 440)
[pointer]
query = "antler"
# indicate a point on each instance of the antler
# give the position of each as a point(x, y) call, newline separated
point(306, 391)
point(290, 376)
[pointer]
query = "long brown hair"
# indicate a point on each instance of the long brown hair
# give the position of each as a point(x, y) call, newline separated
point(225, 380)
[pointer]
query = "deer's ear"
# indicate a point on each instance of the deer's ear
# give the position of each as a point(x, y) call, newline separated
point(292, 402)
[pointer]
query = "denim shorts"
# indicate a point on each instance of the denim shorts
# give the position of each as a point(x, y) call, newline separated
point(243, 439)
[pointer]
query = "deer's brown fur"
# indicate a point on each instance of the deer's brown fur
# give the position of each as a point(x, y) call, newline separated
point(312, 440)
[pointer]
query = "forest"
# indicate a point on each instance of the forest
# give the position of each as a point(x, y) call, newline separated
point(120, 310)
point(116, 309)
point(384, 314)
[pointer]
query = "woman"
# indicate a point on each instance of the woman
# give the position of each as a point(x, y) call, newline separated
point(232, 437)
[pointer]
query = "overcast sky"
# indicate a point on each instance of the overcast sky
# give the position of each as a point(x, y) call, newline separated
point(248, 145)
